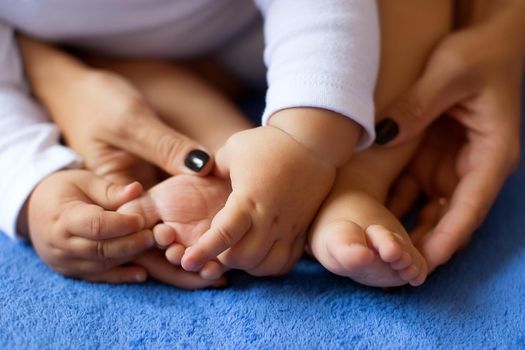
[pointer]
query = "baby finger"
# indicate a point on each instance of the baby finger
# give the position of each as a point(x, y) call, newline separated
point(229, 225)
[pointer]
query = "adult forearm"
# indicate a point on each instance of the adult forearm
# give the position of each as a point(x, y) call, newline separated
point(49, 70)
point(505, 16)
point(510, 14)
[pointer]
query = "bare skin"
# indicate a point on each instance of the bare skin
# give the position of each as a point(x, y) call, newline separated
point(78, 113)
point(180, 209)
point(159, 83)
point(354, 235)
point(479, 90)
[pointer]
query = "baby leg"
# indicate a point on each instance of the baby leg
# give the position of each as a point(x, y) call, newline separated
point(354, 235)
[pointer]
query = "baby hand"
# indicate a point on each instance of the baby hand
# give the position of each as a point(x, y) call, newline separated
point(75, 231)
point(278, 186)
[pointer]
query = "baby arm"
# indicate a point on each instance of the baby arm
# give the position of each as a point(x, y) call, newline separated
point(47, 206)
point(29, 147)
point(281, 173)
point(278, 185)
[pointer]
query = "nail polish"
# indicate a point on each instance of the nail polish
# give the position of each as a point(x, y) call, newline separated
point(386, 131)
point(196, 160)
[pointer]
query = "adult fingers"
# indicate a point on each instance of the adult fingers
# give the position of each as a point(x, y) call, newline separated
point(149, 138)
point(92, 222)
point(440, 87)
point(107, 194)
point(427, 218)
point(468, 207)
point(483, 164)
point(222, 165)
point(431, 173)
point(213, 270)
point(75, 267)
point(160, 269)
point(116, 248)
point(403, 195)
point(229, 225)
point(110, 163)
point(118, 275)
point(118, 166)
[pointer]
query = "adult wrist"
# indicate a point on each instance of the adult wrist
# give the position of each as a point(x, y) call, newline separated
point(47, 65)
point(505, 17)
point(514, 21)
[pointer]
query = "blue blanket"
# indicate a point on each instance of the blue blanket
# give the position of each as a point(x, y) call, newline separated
point(476, 301)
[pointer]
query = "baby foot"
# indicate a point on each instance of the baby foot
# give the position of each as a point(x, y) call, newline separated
point(346, 240)
point(180, 210)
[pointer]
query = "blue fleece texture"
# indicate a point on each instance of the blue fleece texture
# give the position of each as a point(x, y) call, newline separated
point(477, 301)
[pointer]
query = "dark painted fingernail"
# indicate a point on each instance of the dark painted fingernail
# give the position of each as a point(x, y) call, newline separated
point(386, 131)
point(196, 160)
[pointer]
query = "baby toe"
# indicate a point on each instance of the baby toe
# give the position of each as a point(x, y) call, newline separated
point(403, 262)
point(423, 271)
point(419, 280)
point(409, 273)
point(354, 258)
point(174, 254)
point(164, 235)
point(349, 246)
point(385, 242)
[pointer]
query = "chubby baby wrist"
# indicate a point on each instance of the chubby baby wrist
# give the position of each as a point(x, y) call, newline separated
point(330, 136)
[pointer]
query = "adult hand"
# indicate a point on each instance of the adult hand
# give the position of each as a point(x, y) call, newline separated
point(157, 267)
point(480, 89)
point(431, 171)
point(106, 120)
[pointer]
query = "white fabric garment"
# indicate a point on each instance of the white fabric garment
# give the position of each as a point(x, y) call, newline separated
point(319, 54)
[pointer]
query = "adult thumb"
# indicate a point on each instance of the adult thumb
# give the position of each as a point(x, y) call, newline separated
point(173, 152)
point(434, 93)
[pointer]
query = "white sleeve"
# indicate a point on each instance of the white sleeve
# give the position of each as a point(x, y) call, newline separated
point(322, 54)
point(29, 142)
